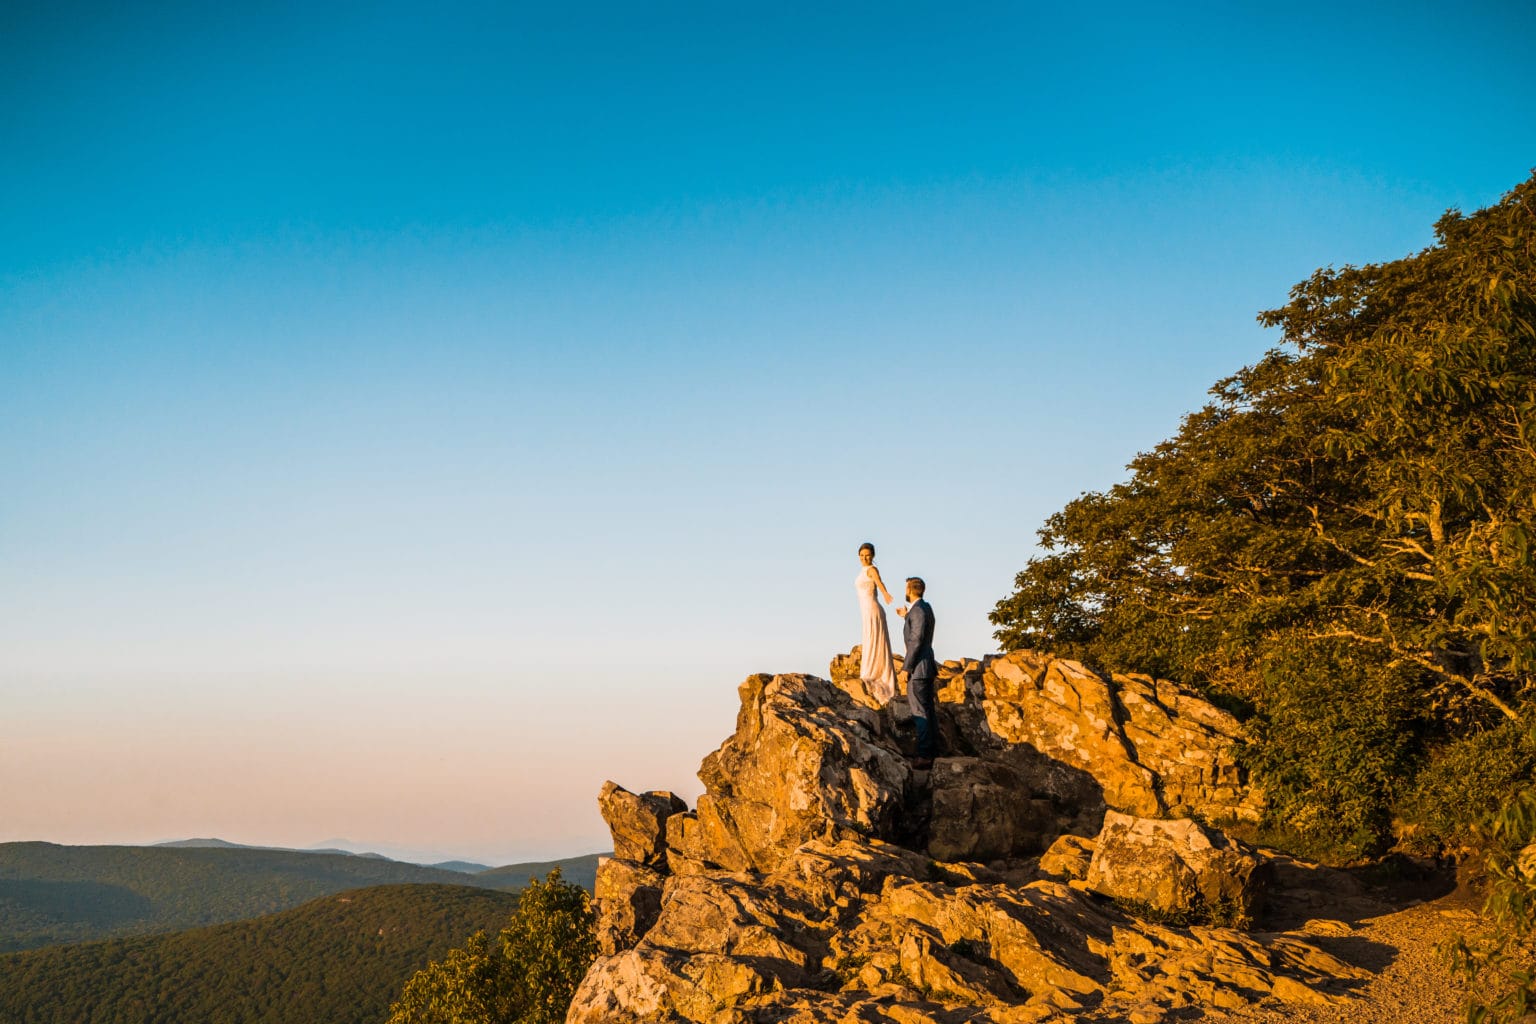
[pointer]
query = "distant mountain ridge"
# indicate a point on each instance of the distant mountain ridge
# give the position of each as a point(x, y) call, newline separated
point(52, 894)
point(580, 871)
point(467, 867)
point(339, 959)
point(224, 844)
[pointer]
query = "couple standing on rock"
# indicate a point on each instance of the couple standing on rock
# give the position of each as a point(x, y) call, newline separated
point(878, 669)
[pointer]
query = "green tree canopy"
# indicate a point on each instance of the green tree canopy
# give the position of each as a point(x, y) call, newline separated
point(526, 976)
point(1340, 539)
point(1498, 966)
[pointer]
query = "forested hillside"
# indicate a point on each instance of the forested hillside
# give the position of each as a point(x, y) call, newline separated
point(580, 871)
point(1340, 546)
point(339, 959)
point(51, 894)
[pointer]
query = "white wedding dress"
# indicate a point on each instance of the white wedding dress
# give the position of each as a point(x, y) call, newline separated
point(875, 667)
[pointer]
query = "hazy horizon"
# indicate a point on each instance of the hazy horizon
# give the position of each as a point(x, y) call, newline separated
point(410, 420)
point(391, 850)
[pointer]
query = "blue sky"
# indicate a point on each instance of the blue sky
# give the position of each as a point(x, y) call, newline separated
point(411, 417)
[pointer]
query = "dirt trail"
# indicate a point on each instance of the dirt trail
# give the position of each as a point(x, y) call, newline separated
point(1410, 981)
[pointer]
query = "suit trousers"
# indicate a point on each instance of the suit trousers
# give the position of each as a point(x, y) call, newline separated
point(925, 716)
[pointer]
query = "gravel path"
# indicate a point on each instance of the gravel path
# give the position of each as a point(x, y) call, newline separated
point(1410, 982)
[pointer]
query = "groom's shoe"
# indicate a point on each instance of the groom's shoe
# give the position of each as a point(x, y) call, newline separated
point(922, 764)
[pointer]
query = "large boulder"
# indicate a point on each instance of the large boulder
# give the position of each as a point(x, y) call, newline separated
point(1152, 748)
point(1093, 741)
point(806, 763)
point(638, 822)
point(1178, 868)
point(982, 811)
point(1190, 745)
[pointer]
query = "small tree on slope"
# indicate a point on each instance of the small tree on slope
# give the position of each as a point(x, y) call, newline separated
point(526, 976)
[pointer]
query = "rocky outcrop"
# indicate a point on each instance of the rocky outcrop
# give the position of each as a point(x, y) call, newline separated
point(1128, 743)
point(638, 822)
point(1178, 868)
point(822, 879)
point(804, 764)
point(630, 897)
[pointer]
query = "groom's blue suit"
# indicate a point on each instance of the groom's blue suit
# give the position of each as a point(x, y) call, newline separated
point(922, 671)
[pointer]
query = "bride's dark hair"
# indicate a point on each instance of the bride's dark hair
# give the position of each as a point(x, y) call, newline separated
point(867, 546)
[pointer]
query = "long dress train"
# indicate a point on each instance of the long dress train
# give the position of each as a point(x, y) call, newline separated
point(876, 667)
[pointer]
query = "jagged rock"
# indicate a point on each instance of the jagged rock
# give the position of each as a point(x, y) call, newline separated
point(1152, 747)
point(853, 870)
point(628, 899)
point(1176, 867)
point(820, 880)
point(646, 985)
point(853, 932)
point(804, 764)
point(983, 811)
point(1189, 745)
point(1129, 743)
point(1069, 714)
point(734, 915)
point(1067, 859)
point(638, 822)
point(685, 844)
point(1017, 934)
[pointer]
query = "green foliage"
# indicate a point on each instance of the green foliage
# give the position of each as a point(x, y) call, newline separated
point(51, 894)
point(1221, 913)
point(1335, 742)
point(471, 985)
point(335, 960)
point(1468, 780)
point(1500, 968)
point(527, 976)
point(845, 969)
point(1340, 540)
point(1227, 912)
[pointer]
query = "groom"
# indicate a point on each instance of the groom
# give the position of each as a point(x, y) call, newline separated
point(921, 670)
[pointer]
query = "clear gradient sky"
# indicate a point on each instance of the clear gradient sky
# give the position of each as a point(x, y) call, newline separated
point(412, 415)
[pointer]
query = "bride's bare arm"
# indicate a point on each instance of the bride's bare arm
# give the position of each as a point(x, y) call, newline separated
point(881, 584)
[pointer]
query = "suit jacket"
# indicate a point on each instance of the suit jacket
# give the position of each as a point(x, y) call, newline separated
point(918, 633)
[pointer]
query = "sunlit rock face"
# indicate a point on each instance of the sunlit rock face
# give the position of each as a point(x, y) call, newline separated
point(638, 822)
point(805, 763)
point(1177, 867)
point(822, 878)
point(1128, 743)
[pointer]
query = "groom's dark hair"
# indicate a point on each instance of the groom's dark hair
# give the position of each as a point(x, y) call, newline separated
point(917, 584)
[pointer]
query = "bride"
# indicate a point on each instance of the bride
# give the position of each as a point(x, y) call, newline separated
point(876, 668)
